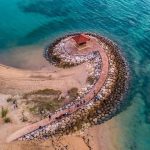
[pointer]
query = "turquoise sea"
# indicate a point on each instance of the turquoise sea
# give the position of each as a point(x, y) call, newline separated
point(36, 22)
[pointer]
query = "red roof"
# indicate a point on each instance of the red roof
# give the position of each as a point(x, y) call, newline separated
point(80, 39)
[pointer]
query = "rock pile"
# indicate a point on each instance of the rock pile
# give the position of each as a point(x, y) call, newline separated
point(105, 103)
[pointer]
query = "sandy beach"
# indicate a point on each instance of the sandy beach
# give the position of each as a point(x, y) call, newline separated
point(15, 81)
point(18, 81)
point(101, 137)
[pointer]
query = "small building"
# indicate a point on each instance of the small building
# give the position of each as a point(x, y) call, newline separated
point(80, 39)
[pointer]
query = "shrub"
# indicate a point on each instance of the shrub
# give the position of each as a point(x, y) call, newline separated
point(10, 99)
point(7, 120)
point(4, 112)
point(56, 59)
point(90, 80)
point(73, 93)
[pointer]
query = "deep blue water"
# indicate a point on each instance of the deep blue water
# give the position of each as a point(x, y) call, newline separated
point(127, 22)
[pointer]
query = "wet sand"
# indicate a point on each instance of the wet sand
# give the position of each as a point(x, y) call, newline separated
point(28, 57)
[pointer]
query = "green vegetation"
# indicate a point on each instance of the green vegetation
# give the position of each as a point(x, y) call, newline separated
point(73, 93)
point(42, 92)
point(90, 80)
point(47, 92)
point(41, 102)
point(4, 112)
point(43, 106)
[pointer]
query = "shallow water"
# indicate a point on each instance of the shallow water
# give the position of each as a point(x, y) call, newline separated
point(34, 23)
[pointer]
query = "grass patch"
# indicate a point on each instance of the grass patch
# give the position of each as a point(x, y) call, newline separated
point(4, 112)
point(43, 106)
point(47, 92)
point(42, 92)
point(73, 93)
point(41, 102)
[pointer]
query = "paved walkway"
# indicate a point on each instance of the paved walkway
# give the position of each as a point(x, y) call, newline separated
point(88, 97)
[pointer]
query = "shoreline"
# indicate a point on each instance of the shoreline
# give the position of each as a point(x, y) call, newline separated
point(104, 136)
point(25, 58)
point(96, 103)
point(113, 97)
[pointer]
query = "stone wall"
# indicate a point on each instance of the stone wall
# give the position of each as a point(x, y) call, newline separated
point(103, 106)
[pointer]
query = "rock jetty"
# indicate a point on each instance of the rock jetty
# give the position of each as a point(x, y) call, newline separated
point(96, 103)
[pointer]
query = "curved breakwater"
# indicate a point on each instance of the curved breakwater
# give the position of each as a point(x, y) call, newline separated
point(99, 102)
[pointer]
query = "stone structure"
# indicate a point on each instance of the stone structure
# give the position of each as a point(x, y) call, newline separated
point(98, 102)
